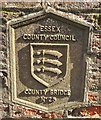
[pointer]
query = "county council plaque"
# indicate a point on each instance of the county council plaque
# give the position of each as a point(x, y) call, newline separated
point(47, 64)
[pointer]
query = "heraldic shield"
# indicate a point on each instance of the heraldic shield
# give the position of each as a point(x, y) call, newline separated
point(49, 62)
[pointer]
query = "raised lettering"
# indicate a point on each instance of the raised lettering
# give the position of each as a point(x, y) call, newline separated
point(41, 28)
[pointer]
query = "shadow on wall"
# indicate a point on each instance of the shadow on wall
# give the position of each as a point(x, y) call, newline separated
point(77, 81)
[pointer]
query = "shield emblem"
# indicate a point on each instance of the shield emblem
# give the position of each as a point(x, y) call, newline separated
point(49, 62)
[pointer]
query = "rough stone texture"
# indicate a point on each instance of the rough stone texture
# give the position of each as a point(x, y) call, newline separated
point(14, 10)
